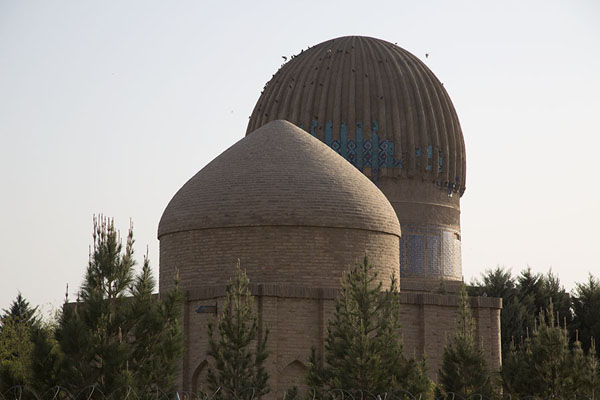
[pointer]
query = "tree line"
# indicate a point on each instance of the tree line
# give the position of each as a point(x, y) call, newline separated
point(117, 333)
point(525, 295)
point(548, 334)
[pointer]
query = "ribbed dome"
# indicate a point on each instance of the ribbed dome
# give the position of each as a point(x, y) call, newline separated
point(279, 176)
point(373, 102)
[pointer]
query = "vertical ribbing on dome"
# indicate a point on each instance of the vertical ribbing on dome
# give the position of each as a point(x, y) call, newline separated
point(436, 118)
point(377, 97)
point(366, 97)
point(364, 83)
point(393, 122)
point(335, 106)
point(293, 102)
point(416, 110)
point(402, 135)
point(312, 84)
point(351, 118)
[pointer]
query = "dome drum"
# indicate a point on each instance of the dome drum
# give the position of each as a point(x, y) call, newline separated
point(289, 255)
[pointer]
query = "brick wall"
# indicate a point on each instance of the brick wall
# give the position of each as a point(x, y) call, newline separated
point(297, 320)
point(274, 254)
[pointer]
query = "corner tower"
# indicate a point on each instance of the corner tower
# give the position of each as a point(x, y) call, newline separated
point(385, 112)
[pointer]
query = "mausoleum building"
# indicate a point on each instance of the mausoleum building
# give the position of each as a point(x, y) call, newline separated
point(353, 148)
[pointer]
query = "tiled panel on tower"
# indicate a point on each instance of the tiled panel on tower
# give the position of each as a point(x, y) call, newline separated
point(429, 251)
point(433, 255)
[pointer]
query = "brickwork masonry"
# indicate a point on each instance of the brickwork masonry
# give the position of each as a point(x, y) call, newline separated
point(297, 317)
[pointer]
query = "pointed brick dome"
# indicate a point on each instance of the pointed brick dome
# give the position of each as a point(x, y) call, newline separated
point(287, 205)
point(279, 175)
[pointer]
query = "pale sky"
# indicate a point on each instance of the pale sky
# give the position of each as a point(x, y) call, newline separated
point(110, 106)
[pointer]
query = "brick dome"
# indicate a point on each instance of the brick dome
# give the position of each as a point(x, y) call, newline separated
point(281, 201)
point(373, 102)
point(279, 176)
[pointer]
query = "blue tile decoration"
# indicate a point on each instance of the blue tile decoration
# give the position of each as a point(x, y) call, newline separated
point(451, 252)
point(374, 153)
point(429, 158)
point(386, 155)
point(335, 145)
point(427, 250)
point(403, 263)
point(344, 140)
point(359, 140)
point(371, 152)
point(416, 251)
point(432, 254)
point(351, 152)
point(313, 128)
point(328, 133)
point(374, 143)
point(367, 152)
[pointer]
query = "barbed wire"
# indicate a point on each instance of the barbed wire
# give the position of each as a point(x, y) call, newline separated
point(128, 393)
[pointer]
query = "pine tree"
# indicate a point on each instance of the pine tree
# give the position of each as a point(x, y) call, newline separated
point(499, 282)
point(464, 371)
point(17, 325)
point(118, 333)
point(522, 299)
point(550, 356)
point(155, 340)
point(586, 309)
point(239, 353)
point(45, 359)
point(584, 381)
point(20, 310)
point(544, 366)
point(517, 368)
point(15, 353)
point(363, 349)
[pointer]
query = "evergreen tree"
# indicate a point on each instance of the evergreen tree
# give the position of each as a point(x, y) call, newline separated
point(464, 371)
point(538, 291)
point(20, 310)
point(17, 325)
point(517, 368)
point(586, 308)
point(585, 382)
point(155, 340)
point(239, 353)
point(556, 294)
point(499, 282)
point(522, 300)
point(544, 366)
point(117, 333)
point(550, 357)
point(45, 359)
point(15, 353)
point(363, 349)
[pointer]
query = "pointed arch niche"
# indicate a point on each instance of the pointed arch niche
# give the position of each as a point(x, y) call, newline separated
point(293, 375)
point(199, 378)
